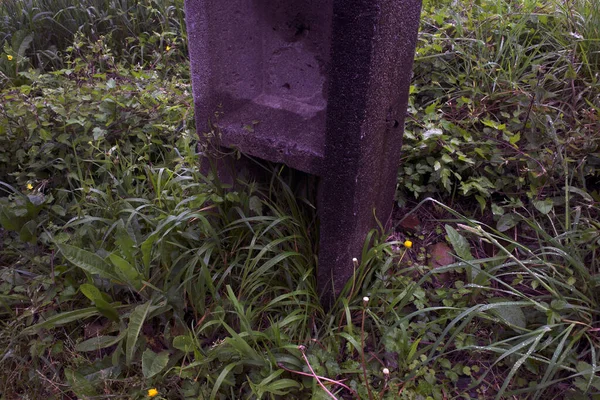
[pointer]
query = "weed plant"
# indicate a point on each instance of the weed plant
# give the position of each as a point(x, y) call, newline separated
point(124, 268)
point(38, 32)
point(504, 101)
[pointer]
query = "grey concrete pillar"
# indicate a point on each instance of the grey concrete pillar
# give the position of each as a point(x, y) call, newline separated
point(320, 85)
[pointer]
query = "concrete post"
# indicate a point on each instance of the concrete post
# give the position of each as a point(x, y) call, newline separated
point(320, 85)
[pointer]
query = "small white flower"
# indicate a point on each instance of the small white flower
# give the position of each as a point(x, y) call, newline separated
point(577, 35)
point(366, 299)
point(386, 371)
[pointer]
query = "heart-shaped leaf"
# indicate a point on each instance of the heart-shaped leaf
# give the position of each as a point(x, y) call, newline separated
point(153, 363)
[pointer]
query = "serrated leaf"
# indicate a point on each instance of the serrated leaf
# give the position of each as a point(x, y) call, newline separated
point(136, 320)
point(89, 262)
point(153, 363)
point(98, 343)
point(430, 109)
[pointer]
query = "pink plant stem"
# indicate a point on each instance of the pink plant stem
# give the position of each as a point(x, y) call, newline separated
point(302, 348)
point(362, 352)
point(320, 377)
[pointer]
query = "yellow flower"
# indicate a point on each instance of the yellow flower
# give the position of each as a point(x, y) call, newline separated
point(10, 58)
point(408, 244)
point(152, 392)
point(168, 48)
point(29, 186)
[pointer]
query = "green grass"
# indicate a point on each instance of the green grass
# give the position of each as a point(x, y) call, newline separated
point(503, 90)
point(124, 268)
point(39, 32)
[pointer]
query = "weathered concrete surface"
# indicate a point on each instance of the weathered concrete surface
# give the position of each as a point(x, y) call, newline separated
point(320, 85)
point(259, 70)
point(373, 44)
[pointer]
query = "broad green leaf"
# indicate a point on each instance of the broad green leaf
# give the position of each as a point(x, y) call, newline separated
point(459, 243)
point(184, 343)
point(99, 300)
point(89, 262)
point(511, 314)
point(136, 320)
point(147, 251)
point(64, 318)
point(24, 43)
point(506, 222)
point(153, 363)
point(98, 342)
point(107, 310)
point(10, 221)
point(79, 385)
point(125, 242)
point(126, 271)
point(91, 292)
point(27, 233)
point(543, 206)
